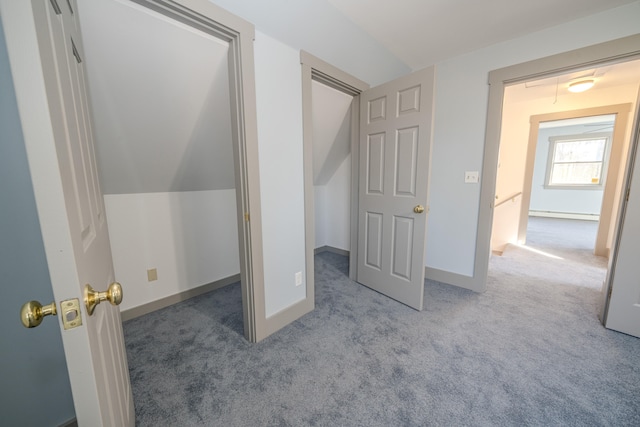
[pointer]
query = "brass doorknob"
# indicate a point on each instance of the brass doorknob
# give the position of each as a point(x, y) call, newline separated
point(92, 297)
point(418, 209)
point(32, 313)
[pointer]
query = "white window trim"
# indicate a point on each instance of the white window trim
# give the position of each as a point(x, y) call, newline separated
point(581, 137)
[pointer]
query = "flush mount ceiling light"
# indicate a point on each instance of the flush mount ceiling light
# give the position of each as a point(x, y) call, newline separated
point(581, 86)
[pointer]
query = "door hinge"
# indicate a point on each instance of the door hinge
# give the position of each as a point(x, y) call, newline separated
point(628, 193)
point(246, 216)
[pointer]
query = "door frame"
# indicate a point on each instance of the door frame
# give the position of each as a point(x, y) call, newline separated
point(240, 34)
point(615, 51)
point(314, 68)
point(608, 205)
point(632, 157)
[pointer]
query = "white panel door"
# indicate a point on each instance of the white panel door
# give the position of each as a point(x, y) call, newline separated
point(45, 52)
point(624, 304)
point(395, 149)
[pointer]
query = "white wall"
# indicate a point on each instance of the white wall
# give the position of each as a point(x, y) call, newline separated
point(460, 121)
point(190, 237)
point(320, 215)
point(331, 115)
point(338, 207)
point(333, 209)
point(279, 109)
point(562, 200)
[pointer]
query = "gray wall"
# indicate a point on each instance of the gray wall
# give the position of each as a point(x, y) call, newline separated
point(35, 387)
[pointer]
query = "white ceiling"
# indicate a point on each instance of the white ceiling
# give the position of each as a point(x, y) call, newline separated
point(423, 32)
point(605, 77)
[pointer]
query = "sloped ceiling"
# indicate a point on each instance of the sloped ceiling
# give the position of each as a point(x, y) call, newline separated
point(160, 93)
point(331, 114)
point(422, 32)
point(404, 35)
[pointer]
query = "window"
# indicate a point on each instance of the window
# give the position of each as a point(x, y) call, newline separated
point(577, 161)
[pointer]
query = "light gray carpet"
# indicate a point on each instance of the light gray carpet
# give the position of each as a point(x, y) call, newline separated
point(528, 352)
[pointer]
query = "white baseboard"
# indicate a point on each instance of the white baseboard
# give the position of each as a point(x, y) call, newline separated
point(565, 215)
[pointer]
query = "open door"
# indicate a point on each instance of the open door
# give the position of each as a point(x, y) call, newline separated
point(395, 150)
point(45, 52)
point(622, 310)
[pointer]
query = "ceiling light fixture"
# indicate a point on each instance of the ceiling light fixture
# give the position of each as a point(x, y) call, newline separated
point(581, 86)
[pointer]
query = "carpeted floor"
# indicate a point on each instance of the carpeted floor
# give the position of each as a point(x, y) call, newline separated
point(528, 352)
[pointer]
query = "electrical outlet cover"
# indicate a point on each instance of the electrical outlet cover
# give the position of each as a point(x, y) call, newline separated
point(471, 177)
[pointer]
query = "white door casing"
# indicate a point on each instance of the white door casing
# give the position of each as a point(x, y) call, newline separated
point(395, 150)
point(45, 52)
point(240, 34)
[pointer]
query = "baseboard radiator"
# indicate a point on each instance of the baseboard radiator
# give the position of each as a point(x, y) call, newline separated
point(566, 215)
